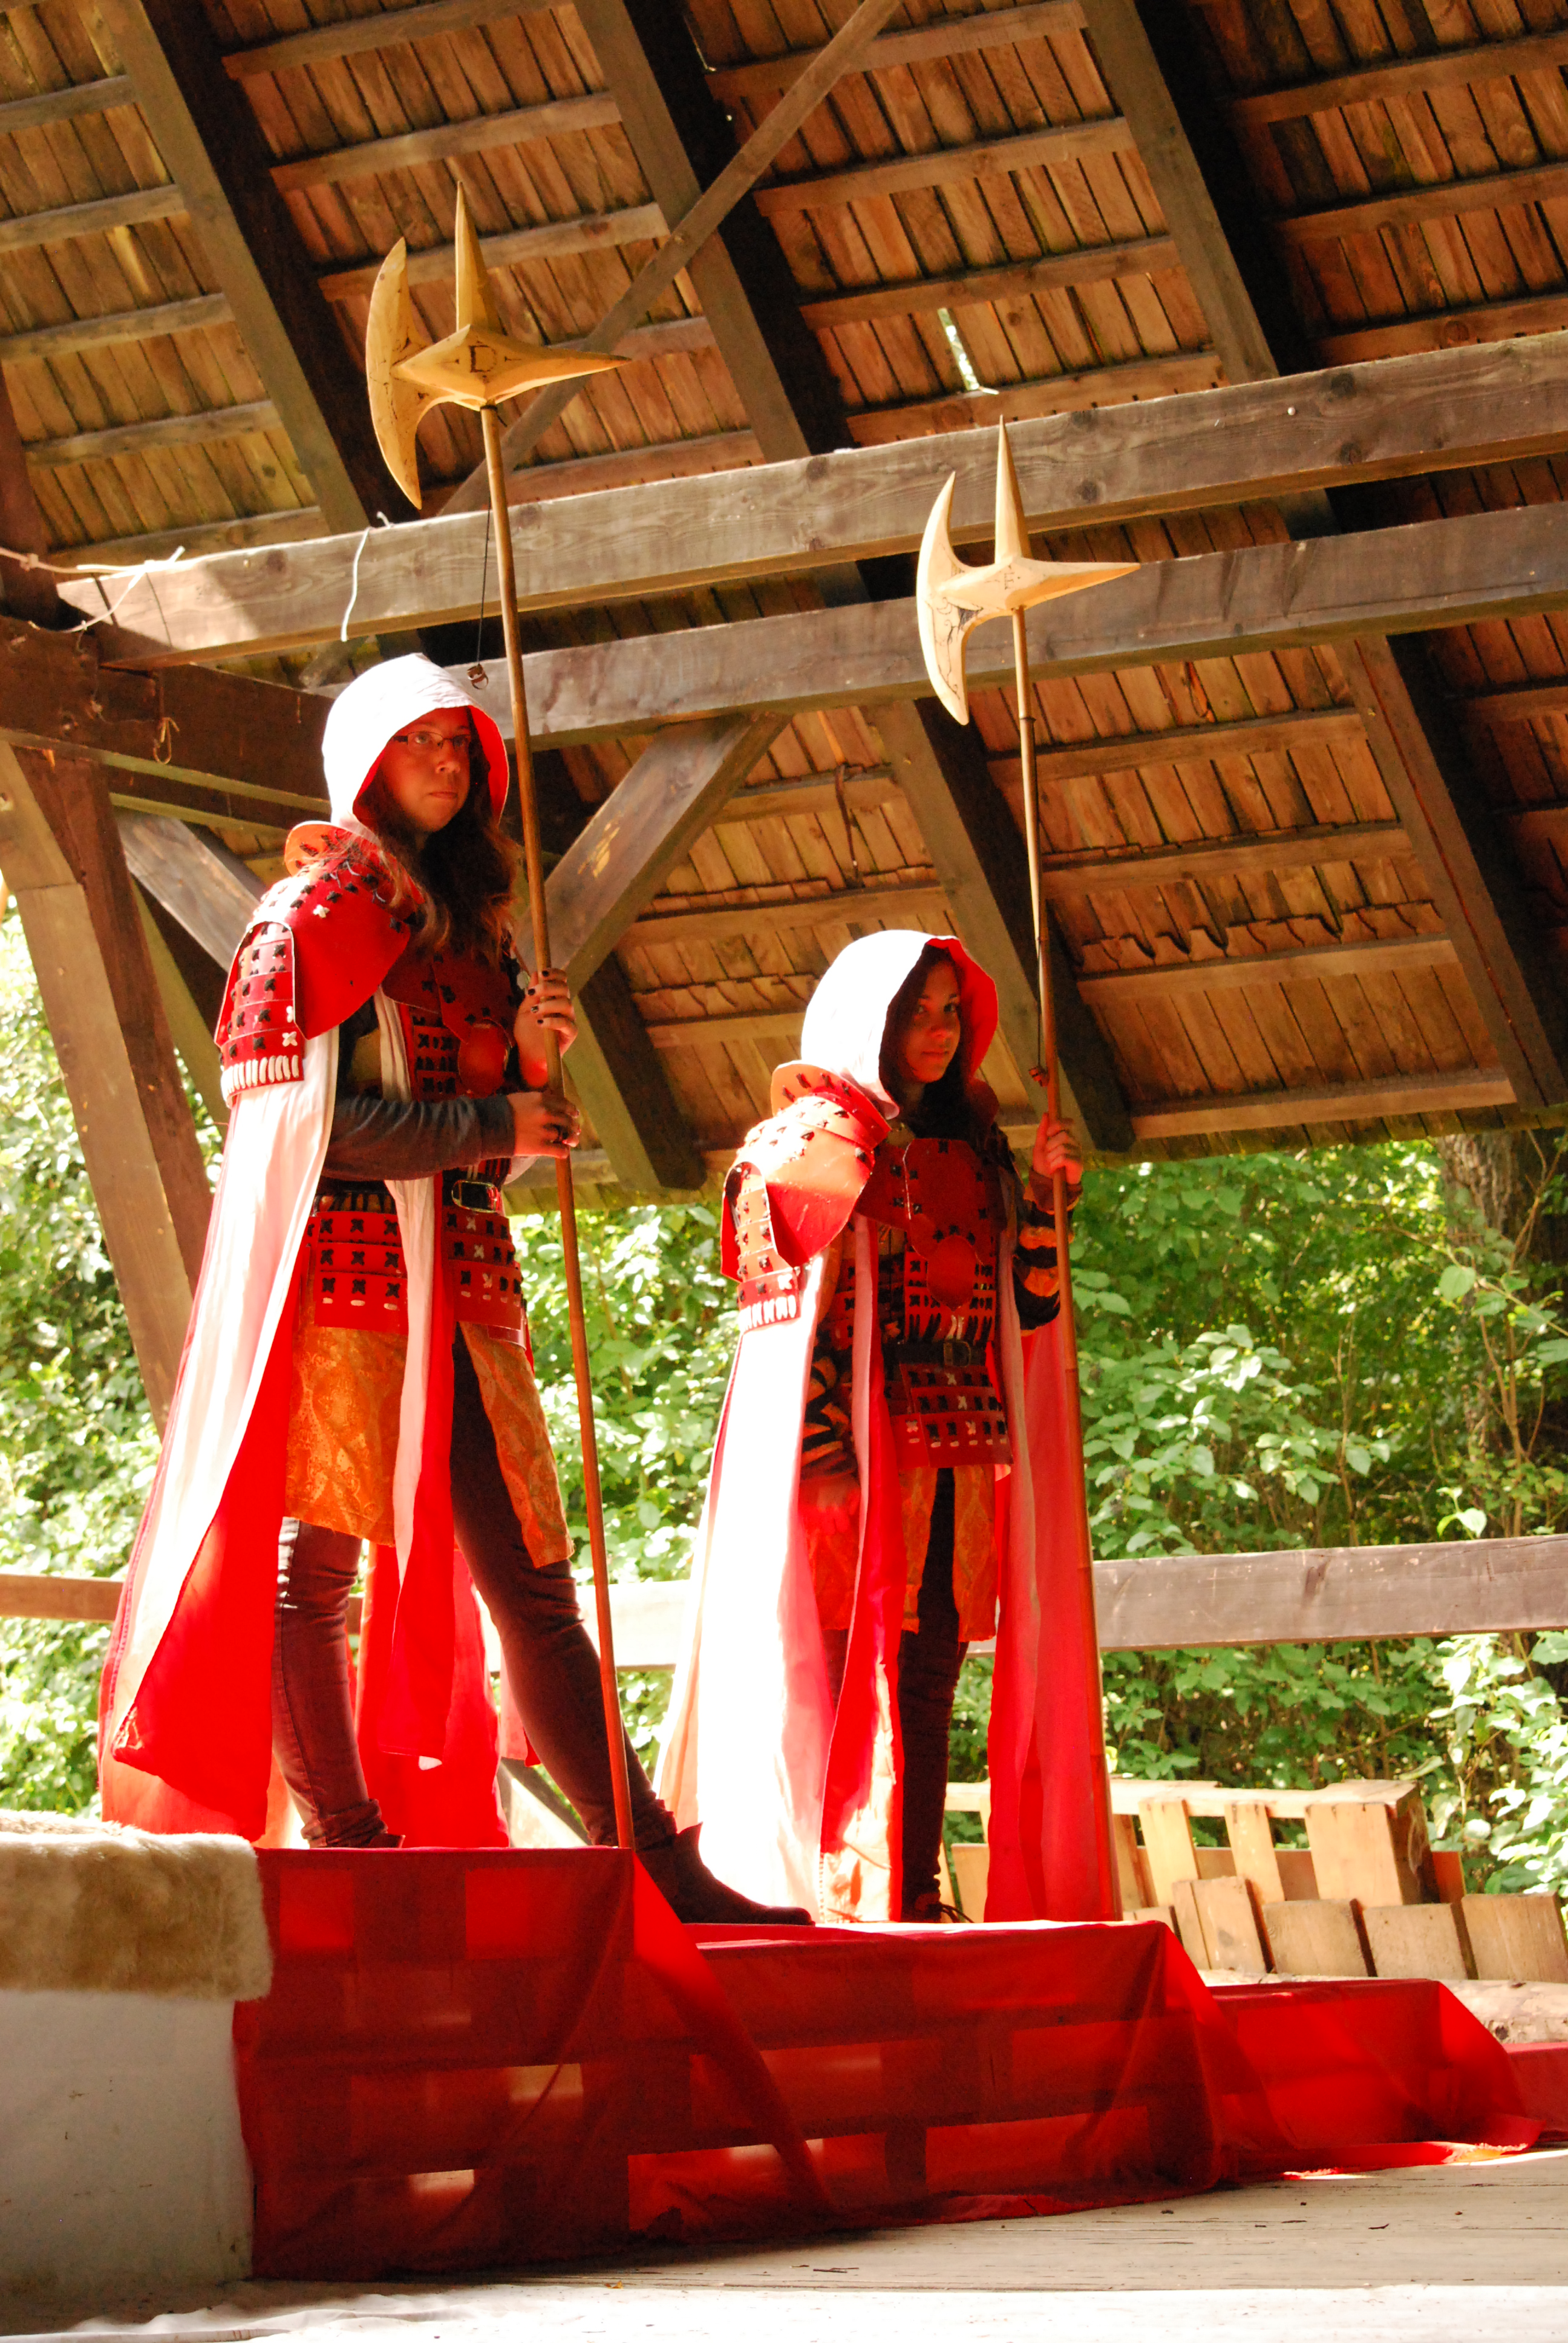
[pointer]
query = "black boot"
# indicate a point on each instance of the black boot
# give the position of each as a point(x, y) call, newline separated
point(692, 1893)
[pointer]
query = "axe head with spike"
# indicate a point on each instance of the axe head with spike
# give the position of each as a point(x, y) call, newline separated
point(953, 598)
point(476, 367)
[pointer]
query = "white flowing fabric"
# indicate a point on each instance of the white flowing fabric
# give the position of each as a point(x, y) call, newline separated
point(745, 1745)
point(277, 1145)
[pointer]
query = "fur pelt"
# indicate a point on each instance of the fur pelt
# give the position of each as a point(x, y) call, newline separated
point(88, 1906)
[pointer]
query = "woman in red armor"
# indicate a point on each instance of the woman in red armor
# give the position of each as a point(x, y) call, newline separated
point(896, 1437)
point(358, 1368)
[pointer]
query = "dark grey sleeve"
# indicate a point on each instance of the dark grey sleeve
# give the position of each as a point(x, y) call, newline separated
point(394, 1138)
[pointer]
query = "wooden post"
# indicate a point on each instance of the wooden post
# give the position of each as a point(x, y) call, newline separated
point(60, 855)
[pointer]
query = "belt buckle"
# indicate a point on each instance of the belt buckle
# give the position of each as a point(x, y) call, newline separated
point(473, 1195)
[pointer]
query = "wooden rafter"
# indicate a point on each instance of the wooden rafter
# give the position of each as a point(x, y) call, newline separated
point(947, 167)
point(1291, 436)
point(221, 747)
point(1392, 1097)
point(67, 105)
point(200, 430)
point(608, 876)
point(513, 249)
point(479, 135)
point(208, 138)
point(1214, 216)
point(1265, 597)
point(611, 873)
point(1093, 263)
point(30, 230)
point(942, 36)
point(706, 189)
point(1460, 67)
point(211, 893)
point(353, 36)
point(1537, 183)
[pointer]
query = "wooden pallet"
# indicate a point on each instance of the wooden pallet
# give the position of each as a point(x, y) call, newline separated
point(1367, 1896)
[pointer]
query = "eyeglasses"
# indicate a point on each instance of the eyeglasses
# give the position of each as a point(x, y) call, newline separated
point(430, 743)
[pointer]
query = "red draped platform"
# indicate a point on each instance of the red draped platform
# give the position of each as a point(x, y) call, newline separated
point(477, 2060)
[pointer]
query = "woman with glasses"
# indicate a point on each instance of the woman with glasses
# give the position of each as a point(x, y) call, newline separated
point(357, 1369)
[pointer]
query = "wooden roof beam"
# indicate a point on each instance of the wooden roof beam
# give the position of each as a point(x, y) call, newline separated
point(480, 134)
point(354, 36)
point(1426, 574)
point(198, 429)
point(1461, 67)
point(515, 247)
point(941, 38)
point(611, 872)
point(1091, 264)
point(27, 231)
point(1274, 439)
point(211, 893)
point(1391, 1097)
point(66, 105)
point(208, 138)
point(946, 166)
point(1212, 209)
point(608, 875)
point(215, 747)
point(1539, 183)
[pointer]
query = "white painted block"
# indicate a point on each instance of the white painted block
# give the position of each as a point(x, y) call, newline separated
point(121, 2158)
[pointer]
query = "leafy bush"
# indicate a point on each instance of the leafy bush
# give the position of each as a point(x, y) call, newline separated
point(77, 1444)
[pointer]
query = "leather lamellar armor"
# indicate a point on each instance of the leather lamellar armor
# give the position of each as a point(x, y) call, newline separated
point(317, 946)
point(937, 1300)
point(793, 1186)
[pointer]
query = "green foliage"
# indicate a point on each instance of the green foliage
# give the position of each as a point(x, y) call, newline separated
point(76, 1446)
point(661, 1333)
point(1298, 1349)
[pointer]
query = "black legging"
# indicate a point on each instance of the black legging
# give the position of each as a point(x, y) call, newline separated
point(551, 1666)
point(930, 1658)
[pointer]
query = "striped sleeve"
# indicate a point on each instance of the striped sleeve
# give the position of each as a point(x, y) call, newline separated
point(1036, 1280)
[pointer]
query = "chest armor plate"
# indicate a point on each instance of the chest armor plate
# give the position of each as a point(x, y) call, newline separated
point(456, 1015)
point(457, 1018)
point(937, 1300)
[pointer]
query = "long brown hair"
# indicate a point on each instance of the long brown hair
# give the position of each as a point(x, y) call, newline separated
point(946, 1109)
point(454, 887)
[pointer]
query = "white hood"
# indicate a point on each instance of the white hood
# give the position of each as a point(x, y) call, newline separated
point(383, 701)
point(847, 1013)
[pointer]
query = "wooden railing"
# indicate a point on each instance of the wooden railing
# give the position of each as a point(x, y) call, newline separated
point(1330, 1594)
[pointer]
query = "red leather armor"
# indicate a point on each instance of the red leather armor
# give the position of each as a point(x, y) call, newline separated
point(317, 946)
point(793, 1186)
point(936, 1335)
point(457, 1019)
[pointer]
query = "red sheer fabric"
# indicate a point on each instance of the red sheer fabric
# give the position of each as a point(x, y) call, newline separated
point(475, 2060)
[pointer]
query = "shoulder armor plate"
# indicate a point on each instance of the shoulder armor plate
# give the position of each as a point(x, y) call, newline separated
point(795, 1182)
point(317, 946)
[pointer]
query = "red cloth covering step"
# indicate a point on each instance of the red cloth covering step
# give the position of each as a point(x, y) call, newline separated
point(1541, 2071)
point(478, 2059)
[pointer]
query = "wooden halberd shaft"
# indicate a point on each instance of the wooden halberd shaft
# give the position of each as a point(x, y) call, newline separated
point(1070, 1395)
point(539, 912)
